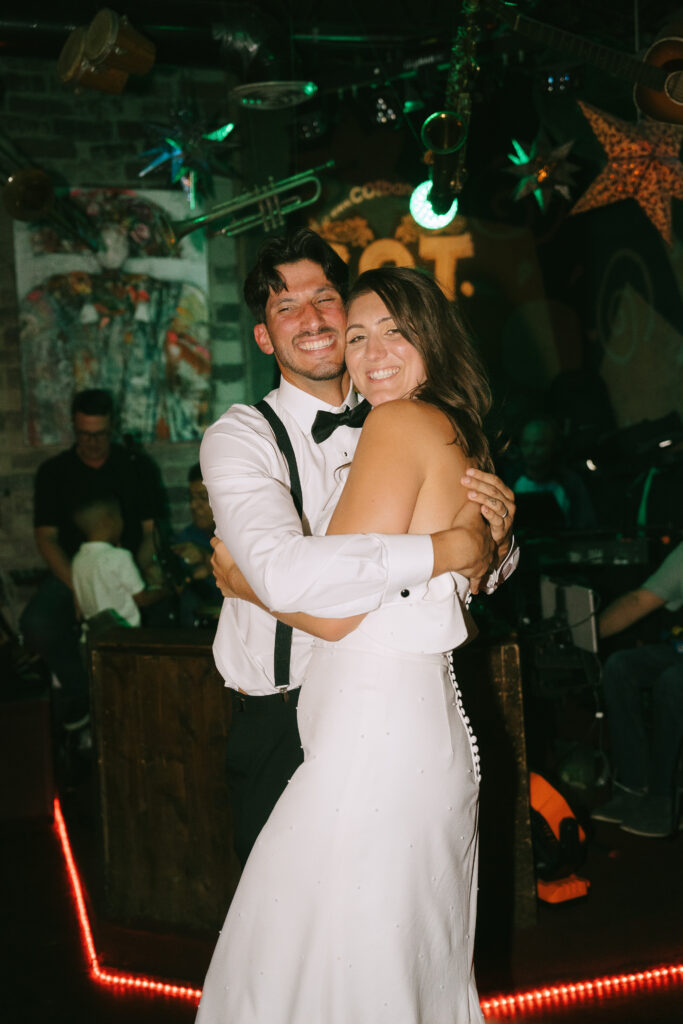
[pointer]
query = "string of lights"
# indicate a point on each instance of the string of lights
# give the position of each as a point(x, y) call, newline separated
point(516, 1004)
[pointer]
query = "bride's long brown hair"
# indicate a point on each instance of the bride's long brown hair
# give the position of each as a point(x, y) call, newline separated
point(456, 381)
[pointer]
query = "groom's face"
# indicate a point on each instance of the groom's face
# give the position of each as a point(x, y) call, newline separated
point(304, 327)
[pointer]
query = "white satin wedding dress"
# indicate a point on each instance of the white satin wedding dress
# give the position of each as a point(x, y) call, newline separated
point(358, 902)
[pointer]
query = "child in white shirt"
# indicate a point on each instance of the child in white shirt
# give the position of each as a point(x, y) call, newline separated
point(105, 576)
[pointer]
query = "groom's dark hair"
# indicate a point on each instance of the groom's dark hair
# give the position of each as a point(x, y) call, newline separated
point(304, 244)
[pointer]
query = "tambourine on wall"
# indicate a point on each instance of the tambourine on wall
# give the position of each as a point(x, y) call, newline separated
point(104, 53)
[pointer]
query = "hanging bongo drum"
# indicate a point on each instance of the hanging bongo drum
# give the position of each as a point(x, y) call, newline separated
point(76, 70)
point(112, 42)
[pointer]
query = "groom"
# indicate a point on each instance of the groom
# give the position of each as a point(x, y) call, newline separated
point(268, 470)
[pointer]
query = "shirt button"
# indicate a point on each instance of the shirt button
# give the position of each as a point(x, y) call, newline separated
point(405, 593)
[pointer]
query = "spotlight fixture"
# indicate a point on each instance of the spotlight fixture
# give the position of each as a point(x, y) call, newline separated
point(311, 125)
point(422, 211)
point(560, 81)
point(273, 95)
point(434, 203)
point(386, 109)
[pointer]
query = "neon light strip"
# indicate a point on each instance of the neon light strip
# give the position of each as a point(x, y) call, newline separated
point(518, 1003)
point(580, 991)
point(99, 974)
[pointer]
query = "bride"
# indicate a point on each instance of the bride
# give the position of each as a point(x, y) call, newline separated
point(358, 902)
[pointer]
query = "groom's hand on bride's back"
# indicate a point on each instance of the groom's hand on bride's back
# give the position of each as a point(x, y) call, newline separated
point(467, 547)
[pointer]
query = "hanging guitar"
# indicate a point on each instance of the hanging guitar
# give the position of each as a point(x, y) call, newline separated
point(658, 77)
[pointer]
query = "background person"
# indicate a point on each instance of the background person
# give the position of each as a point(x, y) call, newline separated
point(645, 758)
point(542, 473)
point(199, 596)
point(94, 466)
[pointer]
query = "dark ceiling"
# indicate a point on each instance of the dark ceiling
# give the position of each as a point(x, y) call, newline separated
point(332, 41)
point(346, 46)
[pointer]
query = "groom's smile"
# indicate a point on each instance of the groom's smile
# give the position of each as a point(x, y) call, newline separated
point(304, 327)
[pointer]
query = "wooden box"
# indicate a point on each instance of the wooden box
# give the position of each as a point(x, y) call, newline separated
point(160, 716)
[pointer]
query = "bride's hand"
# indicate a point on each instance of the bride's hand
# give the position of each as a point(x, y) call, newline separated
point(497, 505)
point(222, 563)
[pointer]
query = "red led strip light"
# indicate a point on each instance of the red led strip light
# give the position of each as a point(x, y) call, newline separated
point(519, 1003)
point(581, 991)
point(102, 975)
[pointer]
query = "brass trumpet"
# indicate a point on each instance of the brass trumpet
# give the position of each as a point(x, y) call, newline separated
point(268, 211)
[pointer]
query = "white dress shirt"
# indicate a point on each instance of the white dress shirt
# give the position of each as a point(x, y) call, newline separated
point(247, 479)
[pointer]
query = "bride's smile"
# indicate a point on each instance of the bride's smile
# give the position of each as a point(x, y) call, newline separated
point(383, 364)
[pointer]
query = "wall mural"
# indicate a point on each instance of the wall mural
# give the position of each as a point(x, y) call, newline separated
point(126, 312)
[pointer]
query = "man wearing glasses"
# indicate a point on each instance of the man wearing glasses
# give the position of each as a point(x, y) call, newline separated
point(93, 467)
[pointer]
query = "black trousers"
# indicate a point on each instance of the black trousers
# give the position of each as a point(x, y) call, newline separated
point(50, 628)
point(264, 751)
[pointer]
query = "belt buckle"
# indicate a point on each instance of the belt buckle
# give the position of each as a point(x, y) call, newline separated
point(284, 693)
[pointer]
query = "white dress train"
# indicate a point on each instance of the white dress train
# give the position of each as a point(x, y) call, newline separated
point(358, 902)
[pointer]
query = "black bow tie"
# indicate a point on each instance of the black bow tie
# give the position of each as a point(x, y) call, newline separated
point(325, 423)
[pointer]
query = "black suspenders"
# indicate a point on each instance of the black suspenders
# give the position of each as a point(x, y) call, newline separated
point(283, 633)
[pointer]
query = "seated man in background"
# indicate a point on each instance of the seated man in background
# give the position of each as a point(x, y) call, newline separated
point(540, 477)
point(94, 466)
point(644, 799)
point(200, 596)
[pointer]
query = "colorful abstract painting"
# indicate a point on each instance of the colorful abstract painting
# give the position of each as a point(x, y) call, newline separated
point(128, 314)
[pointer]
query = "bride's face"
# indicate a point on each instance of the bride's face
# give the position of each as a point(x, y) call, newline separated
point(382, 363)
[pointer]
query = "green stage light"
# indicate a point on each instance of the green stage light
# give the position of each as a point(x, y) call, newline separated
point(220, 133)
point(422, 212)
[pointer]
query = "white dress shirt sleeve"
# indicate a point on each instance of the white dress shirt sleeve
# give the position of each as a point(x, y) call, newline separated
point(505, 569)
point(248, 487)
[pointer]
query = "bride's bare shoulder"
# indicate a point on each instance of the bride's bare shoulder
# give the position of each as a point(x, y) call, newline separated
point(407, 416)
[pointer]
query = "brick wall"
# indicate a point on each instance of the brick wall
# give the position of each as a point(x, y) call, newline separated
point(95, 140)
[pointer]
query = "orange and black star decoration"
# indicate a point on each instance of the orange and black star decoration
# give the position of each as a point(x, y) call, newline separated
point(643, 164)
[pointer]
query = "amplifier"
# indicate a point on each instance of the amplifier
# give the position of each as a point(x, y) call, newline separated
point(593, 551)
